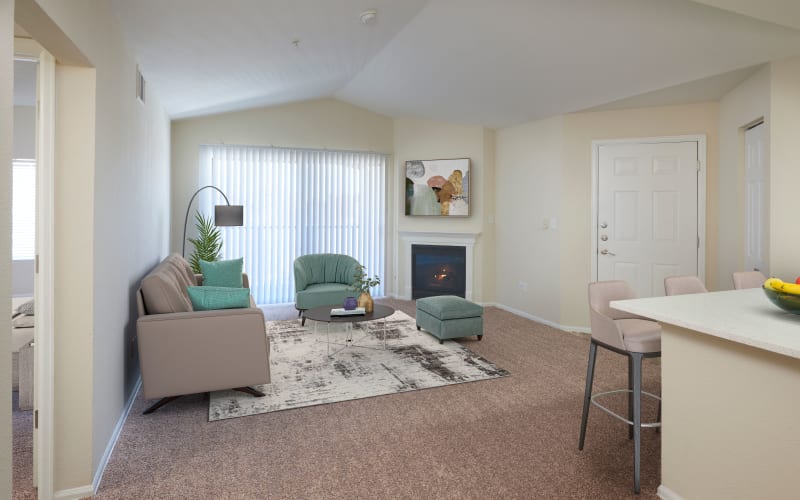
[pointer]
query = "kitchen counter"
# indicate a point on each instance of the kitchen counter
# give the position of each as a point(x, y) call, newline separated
point(730, 379)
point(743, 316)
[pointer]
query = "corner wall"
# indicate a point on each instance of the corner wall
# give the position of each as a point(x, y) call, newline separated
point(784, 172)
point(742, 106)
point(428, 140)
point(528, 192)
point(552, 160)
point(112, 224)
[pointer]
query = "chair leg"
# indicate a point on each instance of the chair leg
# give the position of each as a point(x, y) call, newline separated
point(158, 404)
point(630, 396)
point(250, 391)
point(636, 358)
point(587, 395)
point(658, 417)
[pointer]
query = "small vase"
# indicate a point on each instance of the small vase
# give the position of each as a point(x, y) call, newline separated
point(365, 301)
point(350, 303)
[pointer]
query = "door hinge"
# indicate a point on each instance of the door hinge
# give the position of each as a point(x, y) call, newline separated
point(36, 264)
point(698, 165)
point(36, 419)
point(698, 242)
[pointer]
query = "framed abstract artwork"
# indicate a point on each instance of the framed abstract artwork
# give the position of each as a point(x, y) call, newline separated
point(438, 187)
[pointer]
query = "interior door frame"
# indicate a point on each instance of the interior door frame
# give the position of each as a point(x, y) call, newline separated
point(44, 271)
point(702, 158)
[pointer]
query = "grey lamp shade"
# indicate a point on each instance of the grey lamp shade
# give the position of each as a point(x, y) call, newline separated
point(229, 215)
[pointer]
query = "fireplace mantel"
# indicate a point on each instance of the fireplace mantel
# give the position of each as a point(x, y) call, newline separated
point(466, 240)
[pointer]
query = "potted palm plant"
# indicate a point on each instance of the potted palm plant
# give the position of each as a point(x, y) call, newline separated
point(208, 243)
point(362, 284)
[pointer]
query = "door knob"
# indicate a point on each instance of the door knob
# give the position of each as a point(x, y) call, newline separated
point(603, 225)
point(606, 252)
point(604, 237)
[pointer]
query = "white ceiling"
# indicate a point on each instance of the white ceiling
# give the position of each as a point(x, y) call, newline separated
point(488, 62)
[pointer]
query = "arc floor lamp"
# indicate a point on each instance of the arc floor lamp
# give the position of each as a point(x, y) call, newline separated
point(224, 215)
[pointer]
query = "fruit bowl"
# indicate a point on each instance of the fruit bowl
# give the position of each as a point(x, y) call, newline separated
point(786, 301)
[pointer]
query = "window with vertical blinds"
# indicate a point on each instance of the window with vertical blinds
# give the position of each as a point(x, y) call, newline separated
point(23, 209)
point(297, 202)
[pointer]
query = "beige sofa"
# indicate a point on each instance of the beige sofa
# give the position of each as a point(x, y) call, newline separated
point(182, 351)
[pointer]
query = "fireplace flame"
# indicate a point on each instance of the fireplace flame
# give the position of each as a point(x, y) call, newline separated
point(441, 275)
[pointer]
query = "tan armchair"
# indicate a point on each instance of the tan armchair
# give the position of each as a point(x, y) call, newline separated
point(182, 351)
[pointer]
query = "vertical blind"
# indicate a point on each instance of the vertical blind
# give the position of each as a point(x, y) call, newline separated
point(23, 209)
point(297, 202)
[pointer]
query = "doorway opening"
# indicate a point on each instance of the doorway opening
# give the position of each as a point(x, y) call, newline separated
point(23, 250)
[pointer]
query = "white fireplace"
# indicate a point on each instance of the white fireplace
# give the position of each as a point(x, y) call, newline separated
point(409, 238)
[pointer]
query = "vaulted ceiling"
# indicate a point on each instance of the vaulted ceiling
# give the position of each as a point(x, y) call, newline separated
point(487, 62)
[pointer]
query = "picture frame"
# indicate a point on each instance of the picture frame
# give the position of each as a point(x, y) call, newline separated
point(438, 188)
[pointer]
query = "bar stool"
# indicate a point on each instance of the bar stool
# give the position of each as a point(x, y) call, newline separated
point(683, 285)
point(748, 279)
point(631, 336)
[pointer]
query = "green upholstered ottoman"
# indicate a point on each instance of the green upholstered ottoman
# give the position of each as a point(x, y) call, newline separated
point(448, 317)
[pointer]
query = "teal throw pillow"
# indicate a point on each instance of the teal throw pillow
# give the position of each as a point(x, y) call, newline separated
point(222, 273)
point(207, 298)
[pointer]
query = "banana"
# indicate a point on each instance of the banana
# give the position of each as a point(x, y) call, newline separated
point(790, 288)
point(774, 284)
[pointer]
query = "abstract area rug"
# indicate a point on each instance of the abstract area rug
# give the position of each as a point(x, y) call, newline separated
point(304, 375)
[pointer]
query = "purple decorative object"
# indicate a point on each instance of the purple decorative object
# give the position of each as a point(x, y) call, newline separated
point(350, 303)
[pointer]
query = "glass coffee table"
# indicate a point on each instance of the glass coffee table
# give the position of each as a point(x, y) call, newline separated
point(322, 314)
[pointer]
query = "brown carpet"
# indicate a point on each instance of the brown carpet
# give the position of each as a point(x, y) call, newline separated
point(515, 437)
point(22, 451)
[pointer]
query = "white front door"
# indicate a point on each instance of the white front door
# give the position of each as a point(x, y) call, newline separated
point(755, 201)
point(647, 213)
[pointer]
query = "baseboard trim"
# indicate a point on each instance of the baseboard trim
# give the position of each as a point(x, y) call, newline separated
point(75, 493)
point(112, 442)
point(665, 493)
point(533, 317)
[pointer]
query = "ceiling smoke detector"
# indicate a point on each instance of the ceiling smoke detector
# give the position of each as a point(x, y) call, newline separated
point(368, 16)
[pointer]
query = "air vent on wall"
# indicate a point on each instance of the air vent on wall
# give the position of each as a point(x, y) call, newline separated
point(140, 83)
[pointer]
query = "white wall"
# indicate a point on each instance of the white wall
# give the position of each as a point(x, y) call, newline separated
point(579, 132)
point(321, 123)
point(554, 158)
point(784, 174)
point(6, 141)
point(745, 104)
point(528, 192)
point(24, 147)
point(112, 201)
point(428, 140)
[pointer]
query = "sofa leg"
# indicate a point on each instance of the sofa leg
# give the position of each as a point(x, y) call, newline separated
point(441, 341)
point(251, 391)
point(480, 337)
point(161, 402)
point(303, 321)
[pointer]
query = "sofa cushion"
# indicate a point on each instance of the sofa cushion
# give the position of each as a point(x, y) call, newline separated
point(323, 294)
point(207, 298)
point(164, 288)
point(446, 307)
point(226, 273)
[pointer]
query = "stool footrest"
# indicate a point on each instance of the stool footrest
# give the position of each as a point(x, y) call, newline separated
point(617, 415)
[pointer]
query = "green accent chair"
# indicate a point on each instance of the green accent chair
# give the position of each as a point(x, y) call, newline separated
point(449, 317)
point(322, 279)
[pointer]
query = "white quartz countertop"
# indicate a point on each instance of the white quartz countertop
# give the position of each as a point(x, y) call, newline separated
point(743, 316)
